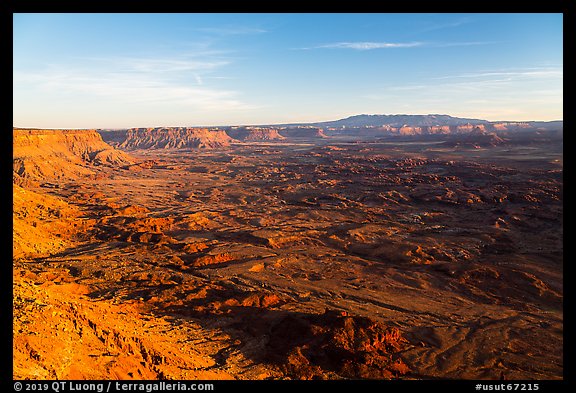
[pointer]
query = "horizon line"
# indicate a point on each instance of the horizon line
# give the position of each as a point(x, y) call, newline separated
point(283, 124)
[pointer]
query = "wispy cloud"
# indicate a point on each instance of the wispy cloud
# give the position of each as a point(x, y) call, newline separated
point(520, 93)
point(169, 82)
point(548, 72)
point(231, 30)
point(446, 25)
point(371, 45)
point(485, 81)
point(366, 45)
point(172, 65)
point(135, 89)
point(168, 64)
point(465, 43)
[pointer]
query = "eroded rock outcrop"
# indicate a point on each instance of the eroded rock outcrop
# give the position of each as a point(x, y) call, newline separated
point(303, 132)
point(313, 346)
point(477, 138)
point(47, 155)
point(41, 224)
point(254, 134)
point(174, 138)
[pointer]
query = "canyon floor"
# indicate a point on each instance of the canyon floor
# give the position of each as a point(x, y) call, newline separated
point(298, 260)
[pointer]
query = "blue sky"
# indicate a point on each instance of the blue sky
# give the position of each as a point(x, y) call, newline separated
point(143, 70)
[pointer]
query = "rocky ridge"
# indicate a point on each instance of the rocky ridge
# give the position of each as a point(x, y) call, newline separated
point(174, 137)
point(254, 134)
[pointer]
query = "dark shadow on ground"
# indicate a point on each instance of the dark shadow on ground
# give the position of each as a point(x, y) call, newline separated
point(332, 345)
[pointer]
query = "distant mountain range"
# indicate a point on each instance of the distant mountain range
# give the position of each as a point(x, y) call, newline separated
point(431, 120)
point(399, 121)
point(360, 127)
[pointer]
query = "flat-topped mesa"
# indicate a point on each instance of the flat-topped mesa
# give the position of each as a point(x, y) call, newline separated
point(86, 145)
point(53, 154)
point(254, 134)
point(32, 142)
point(174, 138)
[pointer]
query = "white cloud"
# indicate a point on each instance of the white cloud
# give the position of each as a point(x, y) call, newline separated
point(447, 25)
point(204, 62)
point(133, 89)
point(497, 94)
point(464, 43)
point(555, 72)
point(371, 45)
point(366, 45)
point(172, 65)
point(158, 83)
point(231, 30)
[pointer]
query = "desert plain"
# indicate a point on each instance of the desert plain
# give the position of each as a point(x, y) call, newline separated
point(286, 257)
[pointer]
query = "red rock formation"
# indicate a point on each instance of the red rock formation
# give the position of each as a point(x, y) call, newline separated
point(407, 130)
point(254, 134)
point(55, 154)
point(436, 130)
point(309, 347)
point(41, 224)
point(174, 138)
point(303, 132)
point(506, 126)
point(476, 138)
point(466, 128)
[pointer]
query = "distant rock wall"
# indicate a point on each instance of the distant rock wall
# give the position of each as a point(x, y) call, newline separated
point(113, 137)
point(254, 134)
point(303, 132)
point(173, 138)
point(433, 130)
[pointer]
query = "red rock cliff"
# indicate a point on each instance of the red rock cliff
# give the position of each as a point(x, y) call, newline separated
point(175, 138)
point(54, 154)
